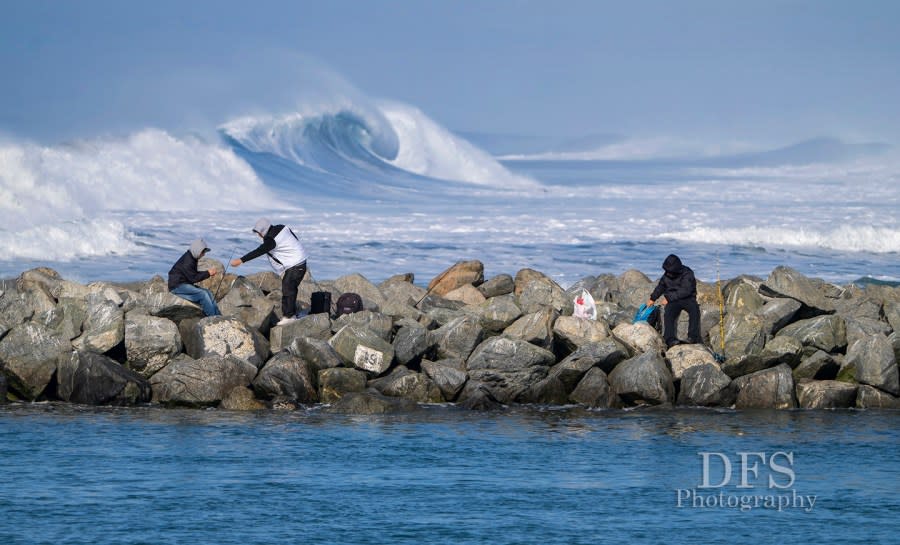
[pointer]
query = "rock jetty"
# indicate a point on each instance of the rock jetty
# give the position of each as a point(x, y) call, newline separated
point(787, 341)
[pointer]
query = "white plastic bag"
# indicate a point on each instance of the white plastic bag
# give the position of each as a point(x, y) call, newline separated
point(584, 306)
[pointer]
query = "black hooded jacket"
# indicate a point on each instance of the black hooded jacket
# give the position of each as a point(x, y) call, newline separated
point(184, 271)
point(677, 283)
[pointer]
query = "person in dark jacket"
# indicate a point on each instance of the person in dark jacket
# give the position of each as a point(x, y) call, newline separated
point(184, 274)
point(287, 257)
point(677, 291)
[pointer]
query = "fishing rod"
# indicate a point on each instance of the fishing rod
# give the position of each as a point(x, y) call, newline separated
point(227, 263)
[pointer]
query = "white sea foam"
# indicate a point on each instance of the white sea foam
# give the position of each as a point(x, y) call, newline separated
point(849, 238)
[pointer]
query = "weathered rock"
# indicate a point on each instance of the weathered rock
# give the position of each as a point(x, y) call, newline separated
point(825, 394)
point(94, 379)
point(29, 354)
point(781, 349)
point(633, 289)
point(458, 275)
point(357, 283)
point(705, 385)
point(400, 292)
point(786, 282)
point(549, 391)
point(819, 366)
point(409, 385)
point(871, 361)
point(41, 279)
point(337, 382)
point(66, 319)
point(265, 281)
point(241, 398)
point(768, 389)
point(497, 313)
point(150, 342)
point(478, 397)
point(221, 336)
point(592, 390)
point(66, 289)
point(535, 328)
point(508, 367)
point(642, 379)
point(860, 328)
point(369, 403)
point(869, 397)
point(449, 375)
point(542, 293)
point(605, 354)
point(160, 302)
point(375, 322)
point(104, 327)
point(201, 382)
point(286, 375)
point(314, 326)
point(246, 302)
point(892, 314)
point(572, 332)
point(745, 336)
point(14, 309)
point(432, 302)
point(316, 352)
point(399, 311)
point(502, 284)
point(457, 339)
point(639, 337)
point(827, 333)
point(894, 339)
point(410, 343)
point(778, 313)
point(468, 294)
point(856, 304)
point(744, 298)
point(362, 348)
point(684, 356)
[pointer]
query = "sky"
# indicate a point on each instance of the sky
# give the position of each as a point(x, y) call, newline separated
point(775, 71)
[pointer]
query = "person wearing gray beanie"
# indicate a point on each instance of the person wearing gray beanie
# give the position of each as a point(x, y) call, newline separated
point(287, 256)
point(184, 274)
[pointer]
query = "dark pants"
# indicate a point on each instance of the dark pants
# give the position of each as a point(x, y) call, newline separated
point(290, 284)
point(670, 321)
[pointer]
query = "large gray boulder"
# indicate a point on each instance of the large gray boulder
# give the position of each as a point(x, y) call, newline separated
point(337, 382)
point(684, 356)
point(768, 389)
point(541, 293)
point(592, 390)
point(247, 302)
point(827, 333)
point(705, 385)
point(241, 398)
point(410, 343)
point(42, 279)
point(159, 302)
point(456, 339)
point(508, 367)
point(786, 282)
point(370, 402)
point(449, 375)
point(200, 382)
point(150, 342)
point(502, 284)
point(572, 332)
point(860, 328)
point(400, 292)
point(29, 355)
point(780, 349)
point(535, 328)
point(104, 327)
point(497, 313)
point(379, 324)
point(476, 396)
point(825, 394)
point(605, 354)
point(409, 385)
point(316, 352)
point(869, 397)
point(778, 313)
point(744, 298)
point(314, 326)
point(891, 311)
point(14, 309)
point(818, 366)
point(66, 318)
point(458, 275)
point(871, 361)
point(94, 379)
point(745, 336)
point(222, 336)
point(642, 379)
point(286, 375)
point(360, 347)
point(467, 294)
point(631, 289)
point(639, 337)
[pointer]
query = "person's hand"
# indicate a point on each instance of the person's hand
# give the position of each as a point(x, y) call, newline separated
point(235, 262)
point(212, 272)
point(649, 303)
point(663, 301)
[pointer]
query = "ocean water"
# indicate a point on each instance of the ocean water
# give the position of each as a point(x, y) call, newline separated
point(76, 475)
point(379, 188)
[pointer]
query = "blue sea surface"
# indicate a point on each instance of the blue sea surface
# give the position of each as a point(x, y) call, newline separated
point(441, 475)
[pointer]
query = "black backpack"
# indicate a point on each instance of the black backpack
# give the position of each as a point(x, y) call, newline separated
point(348, 303)
point(320, 302)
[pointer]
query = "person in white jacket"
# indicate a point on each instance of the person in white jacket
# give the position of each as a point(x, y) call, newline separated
point(287, 257)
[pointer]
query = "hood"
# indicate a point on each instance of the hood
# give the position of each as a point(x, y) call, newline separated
point(197, 247)
point(262, 226)
point(672, 265)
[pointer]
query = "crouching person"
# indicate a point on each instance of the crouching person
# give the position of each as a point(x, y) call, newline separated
point(184, 274)
point(677, 291)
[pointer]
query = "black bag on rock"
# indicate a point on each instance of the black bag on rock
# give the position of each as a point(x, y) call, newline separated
point(320, 302)
point(348, 303)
